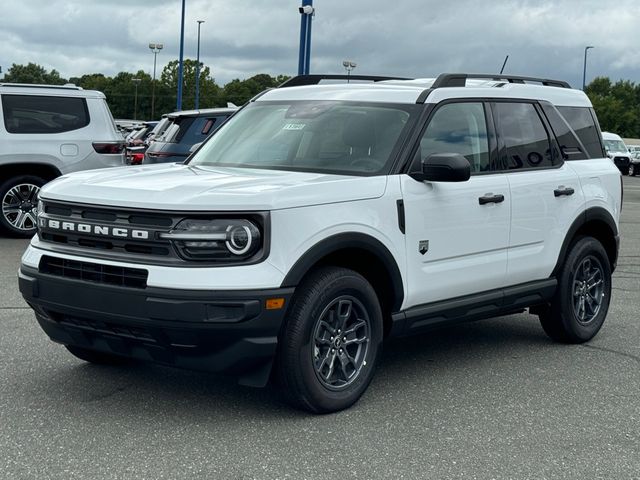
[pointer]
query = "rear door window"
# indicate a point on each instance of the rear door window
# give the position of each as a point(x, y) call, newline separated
point(526, 142)
point(43, 114)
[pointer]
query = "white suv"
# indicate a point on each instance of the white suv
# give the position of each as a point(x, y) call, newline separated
point(323, 218)
point(47, 131)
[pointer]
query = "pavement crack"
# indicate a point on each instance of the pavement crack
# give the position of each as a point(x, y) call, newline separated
point(104, 396)
point(615, 352)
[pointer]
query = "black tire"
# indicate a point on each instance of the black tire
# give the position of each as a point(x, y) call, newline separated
point(625, 170)
point(582, 298)
point(93, 356)
point(634, 170)
point(307, 354)
point(18, 205)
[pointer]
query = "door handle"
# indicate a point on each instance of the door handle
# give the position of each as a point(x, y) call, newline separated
point(562, 190)
point(491, 198)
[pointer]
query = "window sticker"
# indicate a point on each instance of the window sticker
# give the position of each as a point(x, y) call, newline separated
point(294, 126)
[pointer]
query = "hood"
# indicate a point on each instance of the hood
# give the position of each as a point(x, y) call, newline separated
point(182, 187)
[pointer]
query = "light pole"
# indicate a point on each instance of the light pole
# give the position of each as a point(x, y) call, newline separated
point(136, 82)
point(348, 66)
point(180, 64)
point(197, 103)
point(584, 67)
point(155, 48)
point(304, 56)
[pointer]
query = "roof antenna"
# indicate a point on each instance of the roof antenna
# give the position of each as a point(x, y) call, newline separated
point(505, 62)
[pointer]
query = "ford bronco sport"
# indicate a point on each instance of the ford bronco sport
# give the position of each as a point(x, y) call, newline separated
point(323, 218)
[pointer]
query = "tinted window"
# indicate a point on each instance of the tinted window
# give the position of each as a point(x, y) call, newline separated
point(571, 146)
point(582, 122)
point(526, 142)
point(39, 114)
point(459, 128)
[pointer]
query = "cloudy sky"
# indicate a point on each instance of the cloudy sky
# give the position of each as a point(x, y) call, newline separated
point(389, 37)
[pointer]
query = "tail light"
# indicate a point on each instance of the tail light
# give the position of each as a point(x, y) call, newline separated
point(108, 147)
point(137, 158)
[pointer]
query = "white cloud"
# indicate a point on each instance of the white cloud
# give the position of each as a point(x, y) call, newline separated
point(407, 37)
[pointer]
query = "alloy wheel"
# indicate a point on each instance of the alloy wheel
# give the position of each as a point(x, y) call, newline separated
point(20, 206)
point(588, 289)
point(341, 337)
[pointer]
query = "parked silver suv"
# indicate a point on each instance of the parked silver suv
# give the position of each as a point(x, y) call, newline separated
point(47, 131)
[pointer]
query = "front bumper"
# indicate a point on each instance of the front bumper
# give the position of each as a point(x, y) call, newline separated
point(229, 332)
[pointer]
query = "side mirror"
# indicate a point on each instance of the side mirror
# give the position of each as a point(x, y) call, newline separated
point(443, 167)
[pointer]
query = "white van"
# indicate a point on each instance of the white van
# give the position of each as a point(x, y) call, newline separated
point(619, 153)
point(47, 131)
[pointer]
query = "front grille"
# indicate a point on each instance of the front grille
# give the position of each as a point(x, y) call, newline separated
point(621, 160)
point(94, 272)
point(152, 249)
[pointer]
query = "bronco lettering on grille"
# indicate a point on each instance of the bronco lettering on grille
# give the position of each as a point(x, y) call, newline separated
point(93, 229)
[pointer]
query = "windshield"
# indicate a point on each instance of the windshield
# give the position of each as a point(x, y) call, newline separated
point(320, 136)
point(615, 146)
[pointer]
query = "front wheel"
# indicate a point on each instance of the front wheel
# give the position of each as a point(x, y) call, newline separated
point(634, 170)
point(582, 298)
point(19, 202)
point(331, 340)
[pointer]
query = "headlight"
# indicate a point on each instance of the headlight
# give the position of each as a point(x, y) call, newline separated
point(225, 240)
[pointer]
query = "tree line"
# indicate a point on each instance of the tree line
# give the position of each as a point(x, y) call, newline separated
point(124, 102)
point(616, 104)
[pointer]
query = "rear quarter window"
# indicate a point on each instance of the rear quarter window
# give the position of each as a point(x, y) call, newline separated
point(582, 121)
point(43, 114)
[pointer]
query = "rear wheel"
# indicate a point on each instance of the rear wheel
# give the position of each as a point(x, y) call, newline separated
point(19, 203)
point(329, 346)
point(582, 299)
point(93, 356)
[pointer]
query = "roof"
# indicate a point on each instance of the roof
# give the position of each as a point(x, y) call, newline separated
point(202, 111)
point(412, 91)
point(68, 90)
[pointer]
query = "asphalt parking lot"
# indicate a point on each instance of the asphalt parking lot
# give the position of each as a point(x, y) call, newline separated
point(492, 399)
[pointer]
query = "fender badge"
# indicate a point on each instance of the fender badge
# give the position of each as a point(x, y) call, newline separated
point(423, 246)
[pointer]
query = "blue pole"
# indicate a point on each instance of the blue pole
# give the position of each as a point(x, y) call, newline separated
point(307, 59)
point(180, 69)
point(303, 39)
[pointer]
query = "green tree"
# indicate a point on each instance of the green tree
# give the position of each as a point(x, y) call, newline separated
point(241, 91)
point(32, 73)
point(209, 91)
point(617, 105)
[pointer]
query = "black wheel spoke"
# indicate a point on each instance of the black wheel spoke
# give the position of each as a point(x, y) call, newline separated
point(344, 312)
point(355, 327)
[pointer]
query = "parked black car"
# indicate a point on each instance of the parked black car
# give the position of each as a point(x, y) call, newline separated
point(185, 129)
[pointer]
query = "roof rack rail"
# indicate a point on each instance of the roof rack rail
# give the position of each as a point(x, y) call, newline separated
point(68, 86)
point(460, 79)
point(301, 80)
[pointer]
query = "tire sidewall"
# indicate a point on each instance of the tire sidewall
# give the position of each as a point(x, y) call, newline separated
point(356, 286)
point(5, 226)
point(582, 248)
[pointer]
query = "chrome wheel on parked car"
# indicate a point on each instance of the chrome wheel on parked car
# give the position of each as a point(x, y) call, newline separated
point(19, 197)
